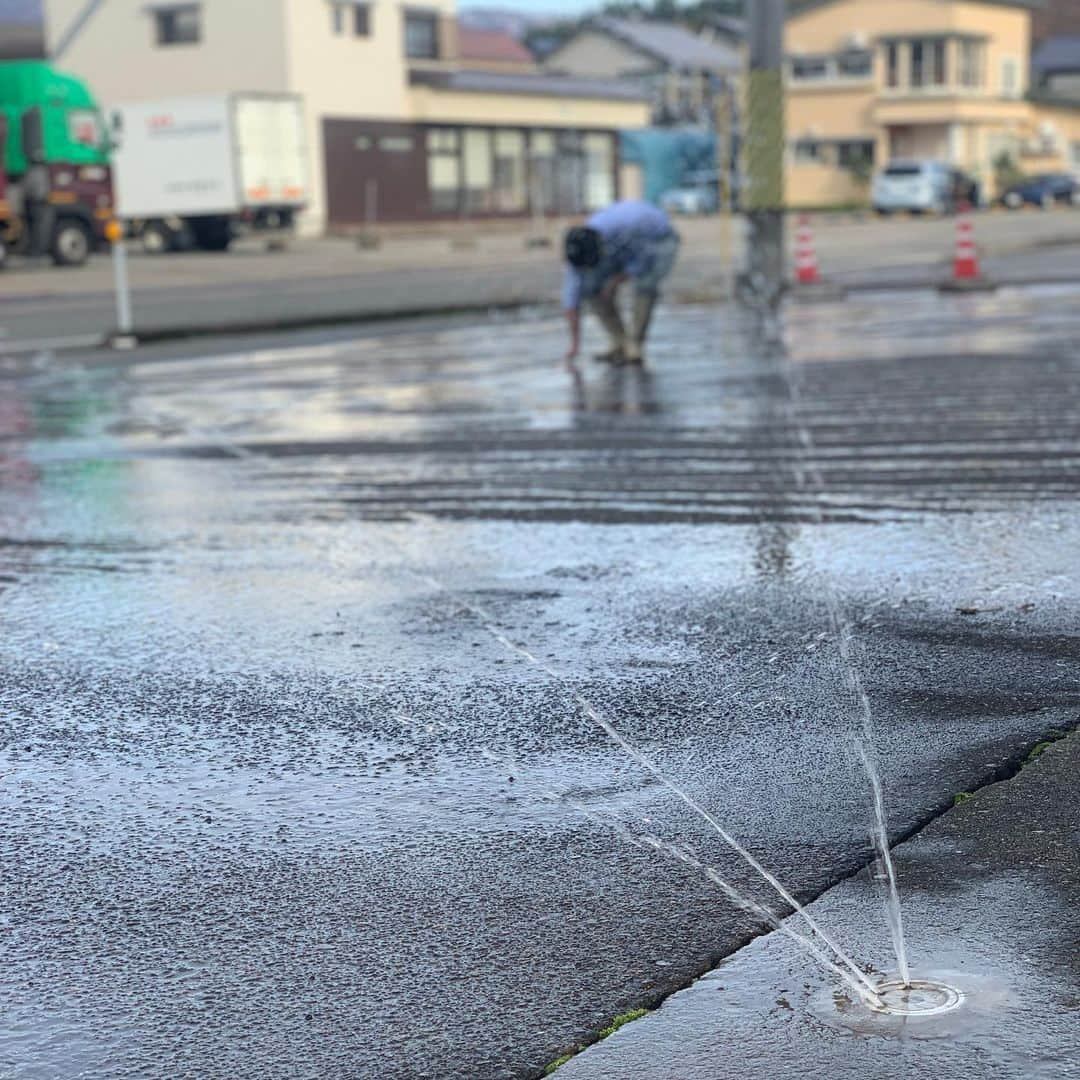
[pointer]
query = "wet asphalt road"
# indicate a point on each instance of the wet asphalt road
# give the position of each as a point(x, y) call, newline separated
point(250, 822)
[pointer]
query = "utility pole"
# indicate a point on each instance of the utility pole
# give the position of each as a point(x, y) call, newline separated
point(763, 277)
point(723, 101)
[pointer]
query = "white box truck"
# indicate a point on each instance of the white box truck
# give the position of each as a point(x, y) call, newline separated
point(195, 171)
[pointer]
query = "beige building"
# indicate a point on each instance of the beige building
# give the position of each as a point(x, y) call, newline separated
point(873, 80)
point(397, 128)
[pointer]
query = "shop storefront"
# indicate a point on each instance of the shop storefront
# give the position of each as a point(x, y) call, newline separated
point(380, 172)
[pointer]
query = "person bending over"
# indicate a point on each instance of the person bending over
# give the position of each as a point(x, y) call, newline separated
point(627, 242)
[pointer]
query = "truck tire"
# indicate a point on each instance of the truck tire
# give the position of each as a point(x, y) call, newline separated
point(3, 254)
point(212, 234)
point(156, 238)
point(71, 242)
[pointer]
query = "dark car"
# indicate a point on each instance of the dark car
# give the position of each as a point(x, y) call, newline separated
point(1044, 191)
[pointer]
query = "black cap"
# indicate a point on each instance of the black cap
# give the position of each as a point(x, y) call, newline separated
point(582, 247)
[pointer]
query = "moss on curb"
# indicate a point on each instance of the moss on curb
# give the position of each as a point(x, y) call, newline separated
point(620, 1021)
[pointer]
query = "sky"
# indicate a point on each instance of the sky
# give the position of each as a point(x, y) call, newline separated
point(21, 11)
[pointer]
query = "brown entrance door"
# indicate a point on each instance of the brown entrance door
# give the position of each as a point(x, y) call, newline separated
point(375, 172)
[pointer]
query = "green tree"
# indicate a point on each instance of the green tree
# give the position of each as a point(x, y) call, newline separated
point(1006, 171)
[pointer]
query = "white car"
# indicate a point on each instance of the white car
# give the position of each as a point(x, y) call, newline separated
point(699, 195)
point(921, 186)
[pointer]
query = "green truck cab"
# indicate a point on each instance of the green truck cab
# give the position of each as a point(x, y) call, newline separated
point(55, 181)
point(6, 213)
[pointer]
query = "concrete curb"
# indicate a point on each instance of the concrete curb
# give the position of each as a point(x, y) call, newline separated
point(329, 319)
point(323, 320)
point(821, 293)
point(907, 285)
point(969, 285)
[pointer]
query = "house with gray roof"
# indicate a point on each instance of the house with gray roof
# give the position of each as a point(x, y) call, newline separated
point(680, 70)
point(726, 29)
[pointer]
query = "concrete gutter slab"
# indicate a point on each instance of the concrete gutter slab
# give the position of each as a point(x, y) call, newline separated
point(990, 895)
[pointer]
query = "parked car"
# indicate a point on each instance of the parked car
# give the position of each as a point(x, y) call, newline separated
point(1046, 191)
point(923, 187)
point(700, 194)
point(918, 186)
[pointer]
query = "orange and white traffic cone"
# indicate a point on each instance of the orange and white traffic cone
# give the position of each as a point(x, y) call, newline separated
point(807, 271)
point(966, 263)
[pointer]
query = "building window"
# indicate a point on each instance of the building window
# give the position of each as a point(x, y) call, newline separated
point(853, 64)
point(421, 36)
point(856, 64)
point(918, 64)
point(570, 172)
point(939, 70)
point(443, 141)
point(353, 18)
point(855, 153)
point(971, 64)
point(929, 63)
point(180, 25)
point(479, 173)
point(1010, 78)
point(809, 152)
point(444, 169)
point(510, 174)
point(599, 170)
point(892, 65)
point(85, 128)
point(509, 171)
point(809, 68)
point(543, 191)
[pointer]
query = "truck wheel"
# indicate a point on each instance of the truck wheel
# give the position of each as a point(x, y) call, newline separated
point(156, 238)
point(3, 254)
point(71, 243)
point(212, 234)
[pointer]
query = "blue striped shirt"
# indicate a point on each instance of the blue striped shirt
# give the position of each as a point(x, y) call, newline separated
point(630, 232)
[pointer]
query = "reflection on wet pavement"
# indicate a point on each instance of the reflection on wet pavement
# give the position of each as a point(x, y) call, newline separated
point(215, 619)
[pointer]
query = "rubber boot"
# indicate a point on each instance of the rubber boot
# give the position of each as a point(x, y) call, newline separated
point(644, 305)
point(608, 314)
